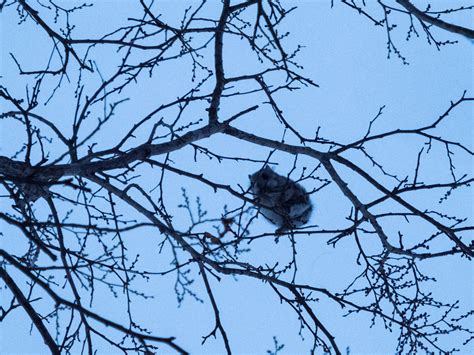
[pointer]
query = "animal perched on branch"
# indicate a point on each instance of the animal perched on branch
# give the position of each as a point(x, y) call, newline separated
point(281, 200)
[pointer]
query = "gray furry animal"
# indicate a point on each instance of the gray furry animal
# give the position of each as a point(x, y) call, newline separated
point(281, 200)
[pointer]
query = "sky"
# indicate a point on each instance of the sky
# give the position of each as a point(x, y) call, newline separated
point(346, 56)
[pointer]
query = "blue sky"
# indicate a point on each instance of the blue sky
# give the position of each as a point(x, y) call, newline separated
point(346, 56)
